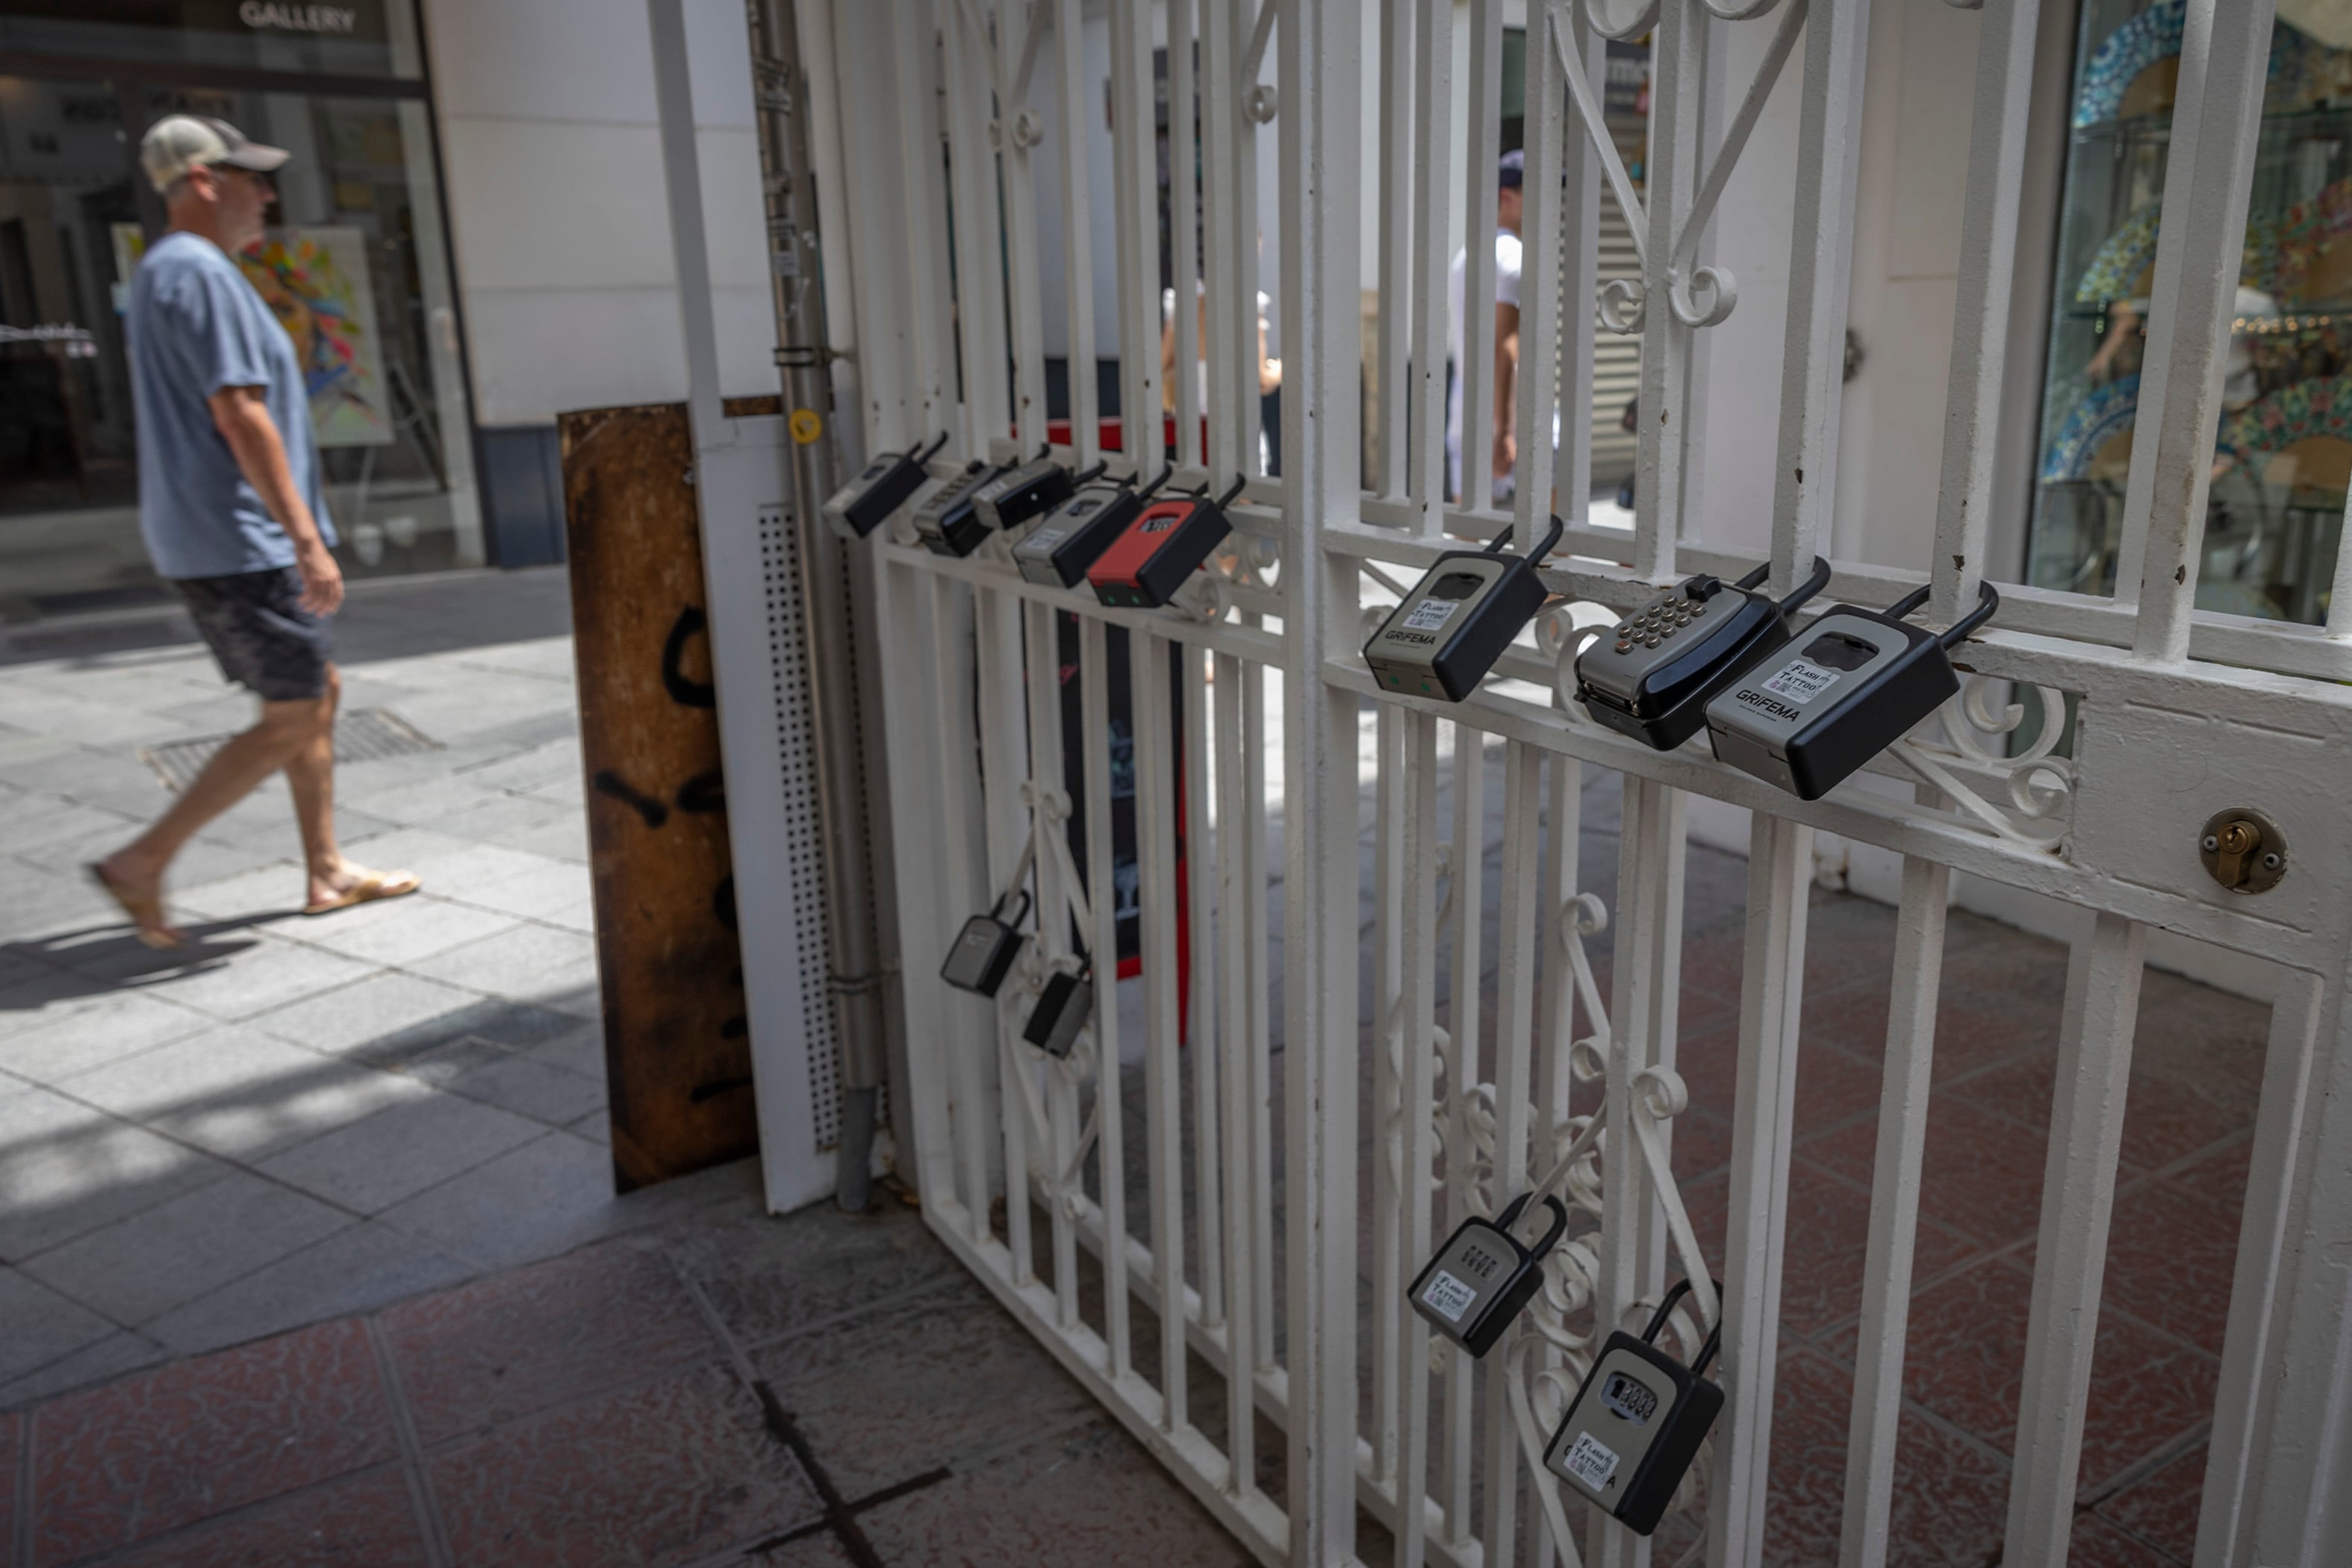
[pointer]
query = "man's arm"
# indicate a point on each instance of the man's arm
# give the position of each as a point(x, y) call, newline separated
point(242, 417)
point(1506, 389)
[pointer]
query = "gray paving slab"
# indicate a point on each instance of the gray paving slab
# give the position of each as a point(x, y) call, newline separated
point(101, 1361)
point(536, 1088)
point(528, 770)
point(565, 839)
point(45, 821)
point(368, 1266)
point(528, 963)
point(238, 1093)
point(399, 932)
point(503, 818)
point(43, 1325)
point(580, 1049)
point(67, 1168)
point(384, 1004)
point(417, 804)
point(185, 1247)
point(272, 889)
point(396, 1154)
point(270, 974)
point(42, 901)
point(538, 894)
point(51, 1047)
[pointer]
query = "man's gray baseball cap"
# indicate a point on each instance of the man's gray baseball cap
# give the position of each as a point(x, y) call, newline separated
point(179, 143)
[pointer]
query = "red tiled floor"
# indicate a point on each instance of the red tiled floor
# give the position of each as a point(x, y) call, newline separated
point(1966, 1360)
point(1702, 1143)
point(2162, 1509)
point(1830, 1084)
point(1092, 1497)
point(2221, 1171)
point(165, 1448)
point(2095, 1544)
point(517, 1343)
point(368, 1519)
point(8, 1423)
point(1973, 1029)
point(2165, 1118)
point(1828, 1241)
point(667, 1472)
point(1949, 1498)
point(2171, 1252)
point(1982, 1174)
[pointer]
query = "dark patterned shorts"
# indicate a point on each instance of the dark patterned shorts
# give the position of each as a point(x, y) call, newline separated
point(260, 635)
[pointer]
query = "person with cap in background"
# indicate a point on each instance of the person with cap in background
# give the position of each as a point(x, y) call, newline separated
point(231, 511)
point(1504, 363)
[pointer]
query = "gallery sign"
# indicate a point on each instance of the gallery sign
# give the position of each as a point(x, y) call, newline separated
point(268, 15)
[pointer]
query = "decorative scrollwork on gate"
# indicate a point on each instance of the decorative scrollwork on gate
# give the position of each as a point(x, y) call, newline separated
point(2034, 786)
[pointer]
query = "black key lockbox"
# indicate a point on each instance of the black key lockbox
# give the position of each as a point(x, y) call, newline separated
point(1634, 1427)
point(1483, 1277)
point(1072, 536)
point(1017, 494)
point(1857, 683)
point(984, 949)
point(1062, 1009)
point(881, 488)
point(1458, 619)
point(948, 523)
point(1652, 678)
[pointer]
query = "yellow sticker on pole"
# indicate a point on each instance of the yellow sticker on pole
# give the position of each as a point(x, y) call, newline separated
point(806, 426)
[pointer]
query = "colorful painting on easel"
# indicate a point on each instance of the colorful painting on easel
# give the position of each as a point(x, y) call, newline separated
point(316, 279)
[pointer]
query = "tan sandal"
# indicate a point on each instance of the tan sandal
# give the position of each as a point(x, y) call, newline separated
point(371, 887)
point(146, 910)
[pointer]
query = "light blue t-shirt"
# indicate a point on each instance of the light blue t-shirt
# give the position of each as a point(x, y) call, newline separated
point(196, 326)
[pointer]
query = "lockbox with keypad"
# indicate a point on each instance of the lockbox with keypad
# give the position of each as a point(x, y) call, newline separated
point(1484, 1276)
point(1015, 495)
point(1062, 1009)
point(947, 522)
point(1457, 620)
point(984, 952)
point(1856, 682)
point(1636, 1423)
point(1072, 536)
point(1165, 543)
point(881, 488)
point(1652, 676)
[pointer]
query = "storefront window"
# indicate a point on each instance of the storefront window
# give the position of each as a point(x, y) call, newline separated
point(354, 262)
point(353, 38)
point(2283, 453)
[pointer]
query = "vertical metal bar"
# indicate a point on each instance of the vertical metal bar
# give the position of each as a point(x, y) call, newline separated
point(1155, 834)
point(997, 642)
point(1077, 231)
point(1431, 266)
point(1321, 92)
point(1461, 1023)
point(1980, 315)
point(1829, 153)
point(1256, 990)
point(1390, 1268)
point(2078, 1194)
point(1227, 225)
point(1416, 1134)
point(1183, 205)
point(689, 244)
point(1023, 292)
point(1208, 1175)
point(1398, 139)
point(1482, 190)
point(1045, 770)
point(1135, 182)
point(1094, 703)
point(1515, 1000)
point(976, 1024)
point(1246, 1176)
point(1678, 76)
point(1580, 271)
point(1542, 241)
point(2216, 124)
point(1556, 1023)
point(1910, 1075)
point(2265, 1245)
point(923, 188)
point(979, 240)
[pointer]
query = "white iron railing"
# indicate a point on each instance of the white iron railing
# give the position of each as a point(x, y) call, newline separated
point(1274, 1275)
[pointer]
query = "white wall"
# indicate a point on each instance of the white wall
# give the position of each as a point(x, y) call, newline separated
point(552, 157)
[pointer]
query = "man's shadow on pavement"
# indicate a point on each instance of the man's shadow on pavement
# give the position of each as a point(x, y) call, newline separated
point(100, 960)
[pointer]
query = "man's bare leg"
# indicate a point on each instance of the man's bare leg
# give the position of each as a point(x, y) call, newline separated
point(310, 775)
point(135, 872)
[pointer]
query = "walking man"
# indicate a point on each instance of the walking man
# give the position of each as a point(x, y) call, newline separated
point(230, 507)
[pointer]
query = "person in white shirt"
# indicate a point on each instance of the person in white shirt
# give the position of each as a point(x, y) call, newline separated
point(1505, 360)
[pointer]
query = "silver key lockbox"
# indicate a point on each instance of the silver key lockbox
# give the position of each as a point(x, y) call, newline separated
point(1634, 1427)
point(1484, 1276)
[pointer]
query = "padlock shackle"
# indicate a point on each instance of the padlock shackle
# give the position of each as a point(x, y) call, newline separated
point(1517, 1206)
point(1094, 473)
point(1494, 545)
point(1226, 500)
point(926, 455)
point(1665, 1310)
point(1808, 588)
point(1988, 601)
point(1021, 893)
point(1148, 492)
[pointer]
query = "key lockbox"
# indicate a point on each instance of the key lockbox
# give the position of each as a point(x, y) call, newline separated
point(1634, 1427)
point(1017, 494)
point(1064, 1008)
point(984, 949)
point(1857, 683)
point(862, 505)
point(1483, 1277)
point(1652, 678)
point(1144, 566)
point(948, 523)
point(1458, 619)
point(1069, 539)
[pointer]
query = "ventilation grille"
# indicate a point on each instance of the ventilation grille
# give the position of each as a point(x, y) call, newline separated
point(363, 735)
point(803, 849)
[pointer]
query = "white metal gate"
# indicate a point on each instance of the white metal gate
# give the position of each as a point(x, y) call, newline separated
point(1280, 1213)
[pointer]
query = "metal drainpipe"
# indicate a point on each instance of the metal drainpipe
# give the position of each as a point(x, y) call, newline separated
point(780, 107)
